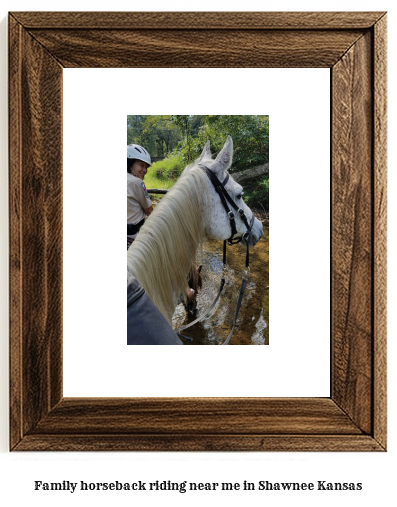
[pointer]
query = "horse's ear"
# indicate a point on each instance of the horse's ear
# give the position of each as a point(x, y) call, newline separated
point(205, 153)
point(224, 159)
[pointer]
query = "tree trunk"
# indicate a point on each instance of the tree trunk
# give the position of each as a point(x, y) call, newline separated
point(251, 173)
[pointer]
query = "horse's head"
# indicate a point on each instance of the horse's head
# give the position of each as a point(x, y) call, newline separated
point(219, 224)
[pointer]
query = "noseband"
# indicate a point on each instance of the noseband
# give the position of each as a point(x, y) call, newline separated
point(225, 199)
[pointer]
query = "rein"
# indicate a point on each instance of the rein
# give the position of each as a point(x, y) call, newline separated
point(225, 199)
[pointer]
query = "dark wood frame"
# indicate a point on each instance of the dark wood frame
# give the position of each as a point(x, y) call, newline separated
point(353, 46)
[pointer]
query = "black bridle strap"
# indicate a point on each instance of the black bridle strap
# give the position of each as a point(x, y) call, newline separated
point(225, 199)
point(240, 299)
point(220, 188)
point(224, 196)
point(247, 257)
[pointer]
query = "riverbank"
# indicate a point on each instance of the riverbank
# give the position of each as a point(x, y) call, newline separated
point(261, 215)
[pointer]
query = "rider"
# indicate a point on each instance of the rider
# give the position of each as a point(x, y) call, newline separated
point(139, 205)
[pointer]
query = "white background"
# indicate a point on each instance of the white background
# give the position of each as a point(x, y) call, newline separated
point(297, 101)
point(375, 470)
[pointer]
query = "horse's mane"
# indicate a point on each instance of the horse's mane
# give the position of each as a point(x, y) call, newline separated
point(165, 248)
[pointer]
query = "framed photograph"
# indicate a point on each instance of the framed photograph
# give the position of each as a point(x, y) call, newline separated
point(353, 46)
point(209, 237)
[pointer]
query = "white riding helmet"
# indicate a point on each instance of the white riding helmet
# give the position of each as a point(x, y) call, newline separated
point(136, 151)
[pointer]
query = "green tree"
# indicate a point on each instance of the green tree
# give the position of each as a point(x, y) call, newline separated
point(250, 136)
point(157, 133)
point(184, 123)
point(180, 138)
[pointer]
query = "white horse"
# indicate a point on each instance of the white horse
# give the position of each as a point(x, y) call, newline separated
point(166, 246)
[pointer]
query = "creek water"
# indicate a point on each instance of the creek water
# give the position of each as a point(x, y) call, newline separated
point(252, 327)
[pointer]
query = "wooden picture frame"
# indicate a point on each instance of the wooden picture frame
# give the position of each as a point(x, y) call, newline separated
point(353, 46)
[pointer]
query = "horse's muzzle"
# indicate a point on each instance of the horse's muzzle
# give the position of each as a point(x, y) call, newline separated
point(255, 234)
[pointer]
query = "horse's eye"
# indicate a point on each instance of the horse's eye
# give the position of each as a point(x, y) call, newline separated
point(239, 196)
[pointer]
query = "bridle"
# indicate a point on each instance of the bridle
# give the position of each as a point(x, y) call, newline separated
point(225, 199)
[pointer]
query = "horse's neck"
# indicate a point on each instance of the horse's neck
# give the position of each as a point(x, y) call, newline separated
point(166, 247)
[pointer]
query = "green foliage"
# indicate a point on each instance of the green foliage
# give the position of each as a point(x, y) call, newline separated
point(250, 136)
point(181, 138)
point(169, 168)
point(157, 133)
point(162, 134)
point(189, 127)
point(256, 193)
point(134, 128)
point(152, 181)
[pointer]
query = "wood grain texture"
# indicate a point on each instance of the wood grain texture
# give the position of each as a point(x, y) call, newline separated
point(199, 443)
point(352, 232)
point(206, 416)
point(380, 230)
point(15, 233)
point(196, 48)
point(353, 45)
point(200, 20)
point(35, 231)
